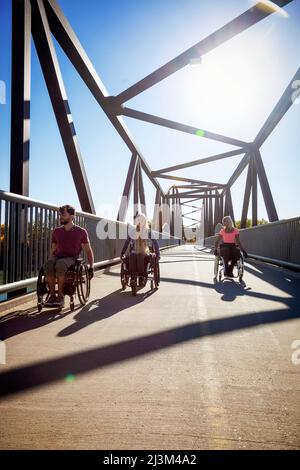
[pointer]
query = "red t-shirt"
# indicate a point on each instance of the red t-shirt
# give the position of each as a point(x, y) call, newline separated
point(68, 242)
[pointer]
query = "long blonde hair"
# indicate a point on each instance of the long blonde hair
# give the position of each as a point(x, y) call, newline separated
point(142, 227)
point(228, 217)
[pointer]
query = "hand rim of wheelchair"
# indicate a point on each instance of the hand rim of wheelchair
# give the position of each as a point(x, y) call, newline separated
point(82, 285)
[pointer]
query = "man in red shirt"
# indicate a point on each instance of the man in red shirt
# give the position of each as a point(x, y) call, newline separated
point(67, 243)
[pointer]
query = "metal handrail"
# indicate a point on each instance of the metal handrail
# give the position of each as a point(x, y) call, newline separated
point(276, 242)
point(25, 238)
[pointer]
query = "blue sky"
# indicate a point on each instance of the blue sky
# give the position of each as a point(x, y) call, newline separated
point(232, 92)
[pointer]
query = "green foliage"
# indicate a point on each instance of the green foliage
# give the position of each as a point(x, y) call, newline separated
point(249, 223)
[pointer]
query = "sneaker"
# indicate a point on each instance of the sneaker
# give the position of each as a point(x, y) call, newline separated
point(51, 300)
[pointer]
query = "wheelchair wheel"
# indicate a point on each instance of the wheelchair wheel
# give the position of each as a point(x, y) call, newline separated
point(240, 271)
point(216, 266)
point(83, 283)
point(123, 277)
point(42, 290)
point(156, 274)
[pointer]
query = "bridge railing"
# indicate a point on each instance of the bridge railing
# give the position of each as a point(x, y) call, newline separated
point(25, 238)
point(275, 242)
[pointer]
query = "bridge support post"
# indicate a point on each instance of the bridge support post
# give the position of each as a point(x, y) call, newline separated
point(254, 193)
point(136, 190)
point(141, 190)
point(247, 195)
point(228, 204)
point(20, 97)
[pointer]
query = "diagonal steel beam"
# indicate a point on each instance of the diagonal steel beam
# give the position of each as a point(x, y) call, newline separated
point(191, 218)
point(191, 212)
point(128, 187)
point(53, 78)
point(192, 225)
point(192, 200)
point(67, 39)
point(239, 169)
point(231, 29)
point(265, 187)
point(133, 113)
point(278, 112)
point(185, 204)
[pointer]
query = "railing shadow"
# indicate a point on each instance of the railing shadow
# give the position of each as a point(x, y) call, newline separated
point(101, 309)
point(20, 321)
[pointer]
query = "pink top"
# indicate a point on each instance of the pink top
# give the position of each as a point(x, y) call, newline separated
point(229, 237)
point(68, 242)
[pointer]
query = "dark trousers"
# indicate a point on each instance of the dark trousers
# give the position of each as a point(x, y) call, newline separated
point(136, 263)
point(230, 253)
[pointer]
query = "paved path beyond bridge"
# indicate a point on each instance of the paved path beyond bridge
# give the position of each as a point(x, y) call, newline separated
point(194, 365)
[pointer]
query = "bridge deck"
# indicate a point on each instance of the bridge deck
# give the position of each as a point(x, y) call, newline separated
point(193, 365)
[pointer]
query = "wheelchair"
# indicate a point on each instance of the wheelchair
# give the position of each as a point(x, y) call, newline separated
point(238, 269)
point(77, 281)
point(138, 279)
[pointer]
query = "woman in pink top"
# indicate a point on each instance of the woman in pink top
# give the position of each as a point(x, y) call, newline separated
point(229, 238)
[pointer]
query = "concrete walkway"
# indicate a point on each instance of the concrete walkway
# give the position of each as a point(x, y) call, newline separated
point(194, 365)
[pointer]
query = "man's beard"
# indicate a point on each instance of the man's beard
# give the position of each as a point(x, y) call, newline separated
point(64, 222)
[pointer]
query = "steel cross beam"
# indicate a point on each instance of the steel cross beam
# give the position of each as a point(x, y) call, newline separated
point(196, 187)
point(67, 39)
point(199, 196)
point(190, 180)
point(181, 127)
point(53, 78)
point(237, 25)
point(200, 161)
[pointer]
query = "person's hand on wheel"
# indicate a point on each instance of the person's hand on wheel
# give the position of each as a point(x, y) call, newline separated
point(91, 273)
point(245, 254)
